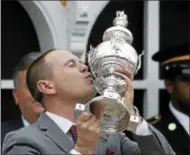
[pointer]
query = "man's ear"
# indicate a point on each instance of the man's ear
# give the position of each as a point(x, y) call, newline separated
point(46, 87)
point(15, 95)
point(169, 86)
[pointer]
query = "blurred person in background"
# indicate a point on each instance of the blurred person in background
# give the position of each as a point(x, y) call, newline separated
point(30, 109)
point(174, 121)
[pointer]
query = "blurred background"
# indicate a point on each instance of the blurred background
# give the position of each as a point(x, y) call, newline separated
point(75, 25)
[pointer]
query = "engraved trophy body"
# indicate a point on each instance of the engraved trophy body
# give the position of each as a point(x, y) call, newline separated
point(114, 52)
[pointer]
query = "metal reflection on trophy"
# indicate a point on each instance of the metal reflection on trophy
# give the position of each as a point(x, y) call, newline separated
point(114, 52)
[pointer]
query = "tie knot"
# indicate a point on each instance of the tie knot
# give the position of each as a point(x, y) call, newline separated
point(73, 132)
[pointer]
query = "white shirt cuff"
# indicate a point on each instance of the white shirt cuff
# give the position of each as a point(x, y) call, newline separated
point(143, 129)
point(75, 152)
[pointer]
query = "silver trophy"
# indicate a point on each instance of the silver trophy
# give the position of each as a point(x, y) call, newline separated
point(114, 52)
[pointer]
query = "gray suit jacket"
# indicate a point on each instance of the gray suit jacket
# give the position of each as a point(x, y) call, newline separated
point(45, 137)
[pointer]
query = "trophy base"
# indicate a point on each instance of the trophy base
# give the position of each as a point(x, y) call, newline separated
point(112, 112)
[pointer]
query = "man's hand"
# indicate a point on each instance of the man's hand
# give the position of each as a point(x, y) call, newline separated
point(89, 133)
point(97, 108)
point(129, 92)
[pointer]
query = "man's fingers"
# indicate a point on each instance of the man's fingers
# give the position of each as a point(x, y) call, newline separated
point(129, 83)
point(96, 127)
point(89, 122)
point(128, 77)
point(129, 93)
point(98, 109)
point(83, 118)
point(126, 72)
point(96, 124)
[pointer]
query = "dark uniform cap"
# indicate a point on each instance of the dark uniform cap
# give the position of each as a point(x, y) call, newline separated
point(174, 61)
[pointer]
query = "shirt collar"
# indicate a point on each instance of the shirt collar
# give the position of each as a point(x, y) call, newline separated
point(181, 117)
point(63, 123)
point(24, 121)
point(177, 113)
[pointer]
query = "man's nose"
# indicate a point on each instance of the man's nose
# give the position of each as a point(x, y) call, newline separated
point(84, 68)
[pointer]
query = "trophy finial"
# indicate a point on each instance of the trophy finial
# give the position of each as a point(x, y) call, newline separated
point(120, 19)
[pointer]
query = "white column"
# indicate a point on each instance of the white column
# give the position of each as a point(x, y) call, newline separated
point(7, 84)
point(151, 45)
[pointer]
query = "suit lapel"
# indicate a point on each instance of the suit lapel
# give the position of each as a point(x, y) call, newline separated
point(55, 133)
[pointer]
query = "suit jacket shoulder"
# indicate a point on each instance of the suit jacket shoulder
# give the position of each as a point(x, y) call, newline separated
point(21, 141)
point(42, 137)
point(30, 140)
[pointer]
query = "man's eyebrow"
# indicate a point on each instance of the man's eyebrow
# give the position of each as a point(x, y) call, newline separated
point(73, 60)
point(69, 60)
point(80, 61)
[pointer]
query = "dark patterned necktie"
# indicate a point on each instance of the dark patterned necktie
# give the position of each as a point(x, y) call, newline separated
point(73, 132)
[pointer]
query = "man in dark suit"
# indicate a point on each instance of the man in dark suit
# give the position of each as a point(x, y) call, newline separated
point(56, 80)
point(29, 108)
point(174, 120)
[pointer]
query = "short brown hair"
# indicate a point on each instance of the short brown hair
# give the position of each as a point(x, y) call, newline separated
point(38, 70)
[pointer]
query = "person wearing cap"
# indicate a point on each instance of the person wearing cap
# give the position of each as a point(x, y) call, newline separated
point(174, 121)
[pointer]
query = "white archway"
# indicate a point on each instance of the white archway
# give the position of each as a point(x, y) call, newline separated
point(42, 23)
point(53, 22)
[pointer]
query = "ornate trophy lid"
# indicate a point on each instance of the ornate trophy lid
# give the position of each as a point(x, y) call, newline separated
point(119, 30)
point(116, 44)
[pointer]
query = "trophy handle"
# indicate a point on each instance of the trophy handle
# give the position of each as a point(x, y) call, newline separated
point(79, 109)
point(139, 61)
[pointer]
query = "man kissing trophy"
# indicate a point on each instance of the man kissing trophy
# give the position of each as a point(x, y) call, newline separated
point(114, 52)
